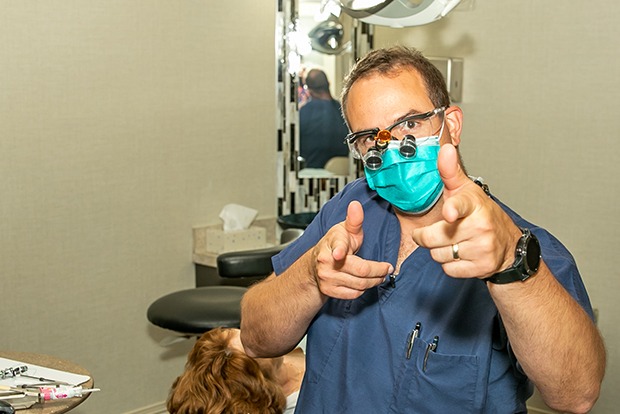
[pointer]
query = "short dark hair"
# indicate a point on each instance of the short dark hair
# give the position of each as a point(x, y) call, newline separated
point(316, 80)
point(393, 60)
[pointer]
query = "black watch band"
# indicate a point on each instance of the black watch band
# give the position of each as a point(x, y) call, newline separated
point(507, 276)
point(527, 261)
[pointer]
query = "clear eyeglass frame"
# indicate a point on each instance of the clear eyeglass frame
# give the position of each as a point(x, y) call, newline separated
point(418, 126)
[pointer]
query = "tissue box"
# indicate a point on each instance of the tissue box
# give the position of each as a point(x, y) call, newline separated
point(219, 241)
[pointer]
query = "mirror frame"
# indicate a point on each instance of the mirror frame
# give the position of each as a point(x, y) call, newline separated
point(295, 194)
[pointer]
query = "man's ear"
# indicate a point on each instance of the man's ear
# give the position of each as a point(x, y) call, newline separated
point(454, 123)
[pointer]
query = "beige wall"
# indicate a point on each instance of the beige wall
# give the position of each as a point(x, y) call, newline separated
point(122, 125)
point(541, 125)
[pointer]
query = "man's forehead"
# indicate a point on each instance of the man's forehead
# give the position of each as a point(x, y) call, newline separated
point(378, 100)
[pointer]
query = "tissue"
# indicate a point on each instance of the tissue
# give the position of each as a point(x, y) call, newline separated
point(237, 217)
point(236, 232)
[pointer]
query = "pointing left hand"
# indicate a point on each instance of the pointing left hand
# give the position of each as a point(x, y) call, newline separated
point(484, 235)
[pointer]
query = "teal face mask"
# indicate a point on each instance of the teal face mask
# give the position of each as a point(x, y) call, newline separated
point(412, 185)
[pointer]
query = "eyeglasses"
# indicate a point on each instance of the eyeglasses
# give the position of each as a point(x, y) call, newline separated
point(407, 129)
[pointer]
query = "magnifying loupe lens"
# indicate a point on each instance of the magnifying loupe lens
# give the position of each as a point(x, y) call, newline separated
point(408, 146)
point(373, 159)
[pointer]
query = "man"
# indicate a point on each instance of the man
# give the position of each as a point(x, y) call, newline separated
point(322, 129)
point(419, 291)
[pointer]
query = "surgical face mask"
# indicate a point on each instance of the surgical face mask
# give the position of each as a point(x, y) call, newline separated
point(410, 183)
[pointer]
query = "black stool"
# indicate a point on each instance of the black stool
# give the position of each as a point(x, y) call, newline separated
point(198, 310)
point(192, 312)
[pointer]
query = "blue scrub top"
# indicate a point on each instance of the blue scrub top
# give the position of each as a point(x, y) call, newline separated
point(357, 349)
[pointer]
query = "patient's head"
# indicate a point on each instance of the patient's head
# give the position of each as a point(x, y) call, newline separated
point(220, 378)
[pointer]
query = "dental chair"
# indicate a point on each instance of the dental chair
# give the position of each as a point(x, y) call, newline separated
point(338, 165)
point(192, 312)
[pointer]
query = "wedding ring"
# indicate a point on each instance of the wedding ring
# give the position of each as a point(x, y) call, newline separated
point(455, 251)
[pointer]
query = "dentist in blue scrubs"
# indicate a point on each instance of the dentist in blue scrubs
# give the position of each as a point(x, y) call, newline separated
point(419, 291)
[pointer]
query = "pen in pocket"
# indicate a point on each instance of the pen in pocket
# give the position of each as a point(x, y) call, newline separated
point(430, 347)
point(412, 336)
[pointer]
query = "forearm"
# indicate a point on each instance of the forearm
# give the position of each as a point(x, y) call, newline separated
point(555, 341)
point(276, 312)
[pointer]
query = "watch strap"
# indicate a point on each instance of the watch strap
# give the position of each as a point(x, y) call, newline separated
point(519, 271)
point(512, 274)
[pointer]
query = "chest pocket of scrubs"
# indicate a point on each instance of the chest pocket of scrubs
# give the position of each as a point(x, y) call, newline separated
point(449, 384)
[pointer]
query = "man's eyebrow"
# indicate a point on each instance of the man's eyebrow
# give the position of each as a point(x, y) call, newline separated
point(396, 121)
point(407, 115)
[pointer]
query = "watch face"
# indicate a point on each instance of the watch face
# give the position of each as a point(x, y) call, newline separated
point(533, 255)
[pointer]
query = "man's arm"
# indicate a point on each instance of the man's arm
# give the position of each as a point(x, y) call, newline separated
point(276, 312)
point(554, 339)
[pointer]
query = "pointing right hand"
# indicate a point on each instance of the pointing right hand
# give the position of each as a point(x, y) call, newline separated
point(338, 272)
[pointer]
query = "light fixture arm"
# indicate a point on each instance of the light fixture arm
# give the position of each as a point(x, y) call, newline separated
point(398, 13)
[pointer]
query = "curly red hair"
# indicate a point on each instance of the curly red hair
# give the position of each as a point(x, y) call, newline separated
point(221, 379)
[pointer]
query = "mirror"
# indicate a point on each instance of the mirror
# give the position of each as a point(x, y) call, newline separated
point(327, 34)
point(307, 189)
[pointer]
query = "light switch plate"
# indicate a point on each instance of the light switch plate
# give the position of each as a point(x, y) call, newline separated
point(452, 70)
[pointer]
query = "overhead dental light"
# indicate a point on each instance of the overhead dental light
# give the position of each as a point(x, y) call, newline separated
point(327, 36)
point(398, 13)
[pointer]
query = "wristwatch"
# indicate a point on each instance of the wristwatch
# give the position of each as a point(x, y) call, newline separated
point(527, 261)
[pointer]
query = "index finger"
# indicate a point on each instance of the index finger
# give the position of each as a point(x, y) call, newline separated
point(438, 234)
point(460, 205)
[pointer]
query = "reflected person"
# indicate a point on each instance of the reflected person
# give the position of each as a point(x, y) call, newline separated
point(418, 289)
point(322, 129)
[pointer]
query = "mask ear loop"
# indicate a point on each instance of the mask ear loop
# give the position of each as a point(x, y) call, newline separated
point(443, 124)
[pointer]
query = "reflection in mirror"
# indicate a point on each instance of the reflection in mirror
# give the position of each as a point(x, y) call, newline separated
point(299, 190)
point(323, 63)
point(321, 126)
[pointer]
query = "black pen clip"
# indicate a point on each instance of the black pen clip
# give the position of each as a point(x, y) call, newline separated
point(392, 280)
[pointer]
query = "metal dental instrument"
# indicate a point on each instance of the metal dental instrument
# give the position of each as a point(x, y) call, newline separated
point(13, 371)
point(20, 371)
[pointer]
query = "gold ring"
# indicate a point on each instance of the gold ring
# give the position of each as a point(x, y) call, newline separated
point(455, 251)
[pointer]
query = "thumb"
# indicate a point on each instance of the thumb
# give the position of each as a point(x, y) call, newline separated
point(355, 218)
point(341, 247)
point(456, 202)
point(449, 167)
